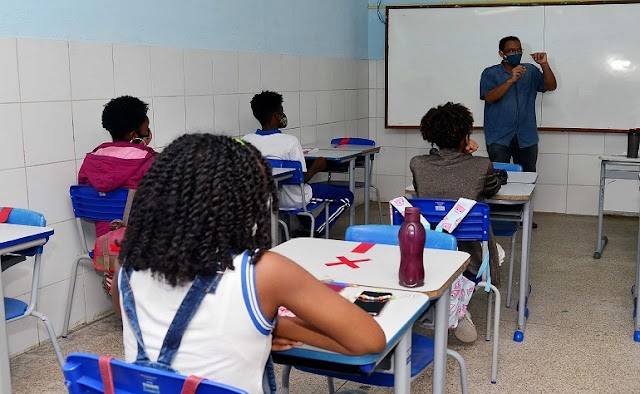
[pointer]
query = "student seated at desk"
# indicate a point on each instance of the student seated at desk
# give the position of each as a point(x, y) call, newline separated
point(452, 173)
point(123, 162)
point(213, 233)
point(268, 110)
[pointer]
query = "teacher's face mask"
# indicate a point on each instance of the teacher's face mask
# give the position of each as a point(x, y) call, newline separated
point(514, 59)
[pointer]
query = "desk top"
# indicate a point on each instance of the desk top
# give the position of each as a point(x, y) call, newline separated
point(509, 192)
point(522, 177)
point(15, 234)
point(402, 310)
point(339, 152)
point(373, 265)
point(622, 159)
point(363, 149)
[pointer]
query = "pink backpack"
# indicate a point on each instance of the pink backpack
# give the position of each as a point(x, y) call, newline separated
point(107, 246)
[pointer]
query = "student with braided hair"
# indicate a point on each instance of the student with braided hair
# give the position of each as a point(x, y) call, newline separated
point(452, 173)
point(195, 261)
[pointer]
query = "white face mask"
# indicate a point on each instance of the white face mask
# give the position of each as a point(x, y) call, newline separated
point(138, 140)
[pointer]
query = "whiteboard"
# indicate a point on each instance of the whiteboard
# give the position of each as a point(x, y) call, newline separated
point(435, 55)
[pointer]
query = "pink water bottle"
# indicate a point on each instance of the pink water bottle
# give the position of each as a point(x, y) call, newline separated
point(412, 236)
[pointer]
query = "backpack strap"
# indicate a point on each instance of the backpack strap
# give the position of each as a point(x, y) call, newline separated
point(4, 214)
point(191, 384)
point(127, 206)
point(104, 362)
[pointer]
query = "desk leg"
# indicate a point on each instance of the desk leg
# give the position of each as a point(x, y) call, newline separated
point(402, 365)
point(440, 342)
point(352, 187)
point(601, 242)
point(274, 227)
point(367, 186)
point(5, 375)
point(636, 299)
point(523, 311)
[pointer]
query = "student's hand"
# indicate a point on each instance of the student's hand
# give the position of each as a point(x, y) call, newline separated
point(539, 57)
point(279, 344)
point(319, 164)
point(471, 147)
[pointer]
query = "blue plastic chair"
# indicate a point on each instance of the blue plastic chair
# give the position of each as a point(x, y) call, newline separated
point(507, 228)
point(82, 376)
point(359, 164)
point(474, 227)
point(297, 178)
point(93, 206)
point(421, 346)
point(15, 309)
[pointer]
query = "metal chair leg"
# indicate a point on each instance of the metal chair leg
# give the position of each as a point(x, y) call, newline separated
point(52, 336)
point(379, 201)
point(496, 331)
point(72, 285)
point(464, 383)
point(286, 371)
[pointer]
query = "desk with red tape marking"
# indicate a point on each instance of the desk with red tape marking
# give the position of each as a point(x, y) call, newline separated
point(376, 265)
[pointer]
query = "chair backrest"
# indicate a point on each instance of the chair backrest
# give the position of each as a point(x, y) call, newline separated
point(82, 375)
point(90, 204)
point(507, 167)
point(297, 177)
point(27, 217)
point(474, 226)
point(388, 234)
point(353, 141)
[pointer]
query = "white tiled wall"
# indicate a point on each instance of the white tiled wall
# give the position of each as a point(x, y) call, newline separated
point(568, 162)
point(51, 99)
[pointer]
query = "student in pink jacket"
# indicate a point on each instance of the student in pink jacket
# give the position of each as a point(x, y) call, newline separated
point(123, 162)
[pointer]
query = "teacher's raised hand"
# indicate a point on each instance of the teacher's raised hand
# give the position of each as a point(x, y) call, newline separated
point(539, 57)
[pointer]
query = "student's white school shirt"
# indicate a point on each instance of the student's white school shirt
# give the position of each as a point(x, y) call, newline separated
point(228, 339)
point(283, 147)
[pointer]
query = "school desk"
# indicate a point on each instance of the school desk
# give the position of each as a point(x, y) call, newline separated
point(347, 154)
point(14, 238)
point(623, 168)
point(376, 265)
point(520, 196)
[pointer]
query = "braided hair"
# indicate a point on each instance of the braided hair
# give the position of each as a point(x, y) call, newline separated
point(204, 200)
point(447, 125)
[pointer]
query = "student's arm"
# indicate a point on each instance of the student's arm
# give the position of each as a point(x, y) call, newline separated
point(324, 318)
point(498, 92)
point(491, 183)
point(115, 293)
point(318, 165)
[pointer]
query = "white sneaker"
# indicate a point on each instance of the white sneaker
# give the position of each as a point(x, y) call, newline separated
point(466, 330)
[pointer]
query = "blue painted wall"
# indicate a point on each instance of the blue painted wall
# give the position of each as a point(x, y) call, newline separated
point(335, 28)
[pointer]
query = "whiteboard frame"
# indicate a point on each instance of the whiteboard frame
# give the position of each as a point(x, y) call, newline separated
point(484, 5)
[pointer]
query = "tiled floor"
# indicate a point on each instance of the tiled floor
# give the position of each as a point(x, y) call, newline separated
point(578, 338)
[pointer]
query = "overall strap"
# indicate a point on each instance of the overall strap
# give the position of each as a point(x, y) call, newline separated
point(201, 286)
point(129, 305)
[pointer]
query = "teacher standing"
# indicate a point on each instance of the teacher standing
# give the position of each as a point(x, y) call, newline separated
point(509, 91)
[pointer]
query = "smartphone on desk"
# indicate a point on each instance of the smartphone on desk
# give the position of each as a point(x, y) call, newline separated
point(373, 302)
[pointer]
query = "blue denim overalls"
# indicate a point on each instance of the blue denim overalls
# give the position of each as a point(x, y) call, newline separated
point(190, 304)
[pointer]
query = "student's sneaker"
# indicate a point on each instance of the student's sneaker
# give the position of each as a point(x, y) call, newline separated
point(466, 330)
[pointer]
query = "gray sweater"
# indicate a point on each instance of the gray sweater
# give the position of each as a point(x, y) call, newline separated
point(451, 175)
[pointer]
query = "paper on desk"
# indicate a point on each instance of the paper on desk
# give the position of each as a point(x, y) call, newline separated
point(307, 151)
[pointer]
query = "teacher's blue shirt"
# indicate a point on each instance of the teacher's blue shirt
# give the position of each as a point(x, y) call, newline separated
point(515, 112)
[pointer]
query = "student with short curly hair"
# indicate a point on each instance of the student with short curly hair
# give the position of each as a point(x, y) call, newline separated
point(122, 162)
point(201, 220)
point(452, 173)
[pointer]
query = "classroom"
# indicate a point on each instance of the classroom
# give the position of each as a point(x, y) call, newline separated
point(363, 84)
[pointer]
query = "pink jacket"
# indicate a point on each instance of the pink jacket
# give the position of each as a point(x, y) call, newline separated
point(113, 165)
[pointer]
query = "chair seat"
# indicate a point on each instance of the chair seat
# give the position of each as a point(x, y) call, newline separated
point(310, 207)
point(421, 358)
point(504, 229)
point(14, 308)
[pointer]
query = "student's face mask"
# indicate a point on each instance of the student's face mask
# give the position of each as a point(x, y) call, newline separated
point(514, 59)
